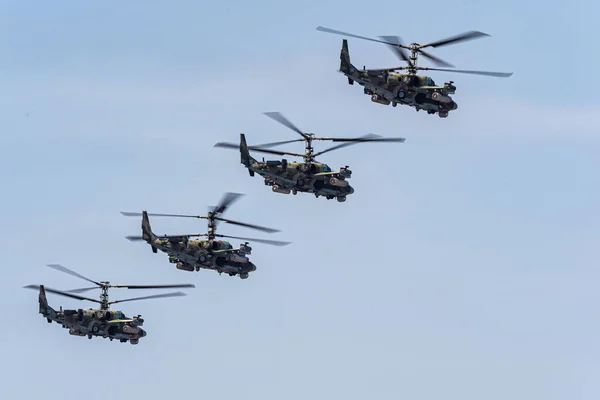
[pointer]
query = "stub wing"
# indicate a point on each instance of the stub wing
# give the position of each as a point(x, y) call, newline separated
point(276, 178)
point(327, 173)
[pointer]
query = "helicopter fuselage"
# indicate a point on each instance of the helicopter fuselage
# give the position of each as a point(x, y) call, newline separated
point(419, 92)
point(292, 177)
point(217, 255)
point(99, 323)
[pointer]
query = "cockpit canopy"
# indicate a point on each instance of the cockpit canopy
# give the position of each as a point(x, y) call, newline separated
point(118, 315)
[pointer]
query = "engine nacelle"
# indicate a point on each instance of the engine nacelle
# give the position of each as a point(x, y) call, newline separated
point(237, 258)
point(75, 333)
point(442, 98)
point(381, 100)
point(338, 182)
point(185, 267)
point(277, 189)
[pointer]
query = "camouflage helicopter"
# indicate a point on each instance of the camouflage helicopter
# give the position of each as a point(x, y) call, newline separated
point(218, 255)
point(103, 322)
point(386, 86)
point(308, 176)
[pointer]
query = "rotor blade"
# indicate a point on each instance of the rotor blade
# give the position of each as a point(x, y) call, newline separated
point(397, 48)
point(436, 60)
point(364, 139)
point(460, 71)
point(328, 30)
point(68, 271)
point(83, 289)
point(184, 285)
point(227, 145)
point(73, 296)
point(134, 238)
point(155, 296)
point(284, 121)
point(227, 199)
point(273, 144)
point(282, 153)
point(271, 242)
point(455, 39)
point(257, 227)
point(135, 214)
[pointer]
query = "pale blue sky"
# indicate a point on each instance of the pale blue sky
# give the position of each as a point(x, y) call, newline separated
point(464, 267)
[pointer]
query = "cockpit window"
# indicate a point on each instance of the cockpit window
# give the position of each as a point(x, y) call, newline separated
point(326, 168)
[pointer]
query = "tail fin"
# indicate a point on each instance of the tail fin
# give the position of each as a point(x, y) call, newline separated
point(45, 309)
point(245, 154)
point(346, 66)
point(147, 234)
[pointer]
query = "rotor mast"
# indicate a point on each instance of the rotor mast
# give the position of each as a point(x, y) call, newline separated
point(414, 54)
point(309, 150)
point(212, 227)
point(104, 295)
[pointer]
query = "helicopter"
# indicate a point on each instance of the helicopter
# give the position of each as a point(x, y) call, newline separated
point(309, 176)
point(103, 322)
point(195, 254)
point(421, 92)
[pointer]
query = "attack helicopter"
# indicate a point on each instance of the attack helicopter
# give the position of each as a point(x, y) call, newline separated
point(195, 254)
point(103, 322)
point(420, 92)
point(308, 176)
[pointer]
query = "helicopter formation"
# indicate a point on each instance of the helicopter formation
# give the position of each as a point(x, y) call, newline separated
point(385, 86)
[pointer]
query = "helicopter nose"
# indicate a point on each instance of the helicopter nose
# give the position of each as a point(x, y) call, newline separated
point(142, 333)
point(252, 267)
point(351, 189)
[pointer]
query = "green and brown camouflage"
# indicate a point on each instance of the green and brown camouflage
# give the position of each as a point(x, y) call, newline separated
point(308, 176)
point(418, 91)
point(102, 322)
point(212, 254)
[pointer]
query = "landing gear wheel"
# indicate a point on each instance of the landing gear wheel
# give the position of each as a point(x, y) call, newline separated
point(244, 275)
point(134, 341)
point(232, 274)
point(394, 104)
point(443, 114)
point(341, 199)
point(89, 335)
point(329, 197)
point(49, 320)
point(294, 192)
point(123, 340)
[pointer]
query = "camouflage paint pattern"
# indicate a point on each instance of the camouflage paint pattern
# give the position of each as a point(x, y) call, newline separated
point(287, 177)
point(112, 324)
point(419, 92)
point(195, 254)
